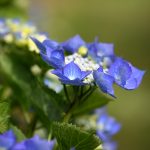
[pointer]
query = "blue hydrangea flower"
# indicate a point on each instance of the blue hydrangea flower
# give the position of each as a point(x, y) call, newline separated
point(104, 81)
point(50, 52)
point(73, 44)
point(3, 28)
point(107, 127)
point(100, 50)
point(109, 145)
point(71, 74)
point(125, 74)
point(7, 140)
point(34, 143)
point(86, 58)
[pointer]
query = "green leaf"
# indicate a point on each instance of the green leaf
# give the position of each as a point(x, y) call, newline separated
point(15, 69)
point(69, 136)
point(4, 116)
point(20, 136)
point(96, 100)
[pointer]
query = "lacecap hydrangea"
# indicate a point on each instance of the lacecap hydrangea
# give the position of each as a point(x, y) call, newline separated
point(107, 127)
point(78, 63)
point(17, 32)
point(8, 141)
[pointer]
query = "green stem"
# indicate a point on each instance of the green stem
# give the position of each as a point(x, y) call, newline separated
point(32, 126)
point(77, 99)
point(66, 92)
point(88, 93)
point(81, 91)
point(73, 105)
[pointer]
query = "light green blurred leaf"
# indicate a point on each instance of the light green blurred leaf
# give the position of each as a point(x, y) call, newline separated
point(4, 116)
point(15, 69)
point(69, 136)
point(20, 136)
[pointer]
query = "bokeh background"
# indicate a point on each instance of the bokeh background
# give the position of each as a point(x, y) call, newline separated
point(125, 23)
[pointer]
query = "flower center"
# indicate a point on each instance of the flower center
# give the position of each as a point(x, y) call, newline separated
point(85, 64)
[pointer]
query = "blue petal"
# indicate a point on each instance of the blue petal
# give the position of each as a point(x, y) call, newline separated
point(59, 73)
point(70, 74)
point(100, 111)
point(38, 44)
point(93, 51)
point(85, 74)
point(7, 139)
point(34, 143)
point(104, 81)
point(57, 57)
point(2, 21)
point(121, 71)
point(73, 44)
point(105, 49)
point(136, 77)
point(99, 50)
point(112, 126)
point(72, 71)
point(109, 145)
point(108, 127)
point(54, 58)
point(51, 44)
point(19, 146)
point(45, 58)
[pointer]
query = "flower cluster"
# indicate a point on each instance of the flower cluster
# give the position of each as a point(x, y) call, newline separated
point(78, 63)
point(14, 31)
point(107, 127)
point(8, 142)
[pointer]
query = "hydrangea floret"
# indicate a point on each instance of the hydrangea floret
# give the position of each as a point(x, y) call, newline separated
point(78, 63)
point(107, 127)
point(8, 141)
point(17, 32)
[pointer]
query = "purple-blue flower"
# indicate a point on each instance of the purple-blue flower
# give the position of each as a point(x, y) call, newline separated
point(35, 143)
point(100, 50)
point(71, 74)
point(4, 30)
point(104, 81)
point(109, 145)
point(126, 75)
point(85, 59)
point(51, 53)
point(107, 127)
point(73, 44)
point(7, 140)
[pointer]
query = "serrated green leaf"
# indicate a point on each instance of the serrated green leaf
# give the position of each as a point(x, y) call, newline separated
point(20, 136)
point(4, 116)
point(69, 136)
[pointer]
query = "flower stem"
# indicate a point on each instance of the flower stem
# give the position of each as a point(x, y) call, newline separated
point(88, 93)
point(66, 92)
point(73, 105)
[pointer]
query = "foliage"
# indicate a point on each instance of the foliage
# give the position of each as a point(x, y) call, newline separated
point(4, 116)
point(69, 135)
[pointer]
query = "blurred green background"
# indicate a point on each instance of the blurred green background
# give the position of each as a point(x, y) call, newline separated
point(126, 23)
